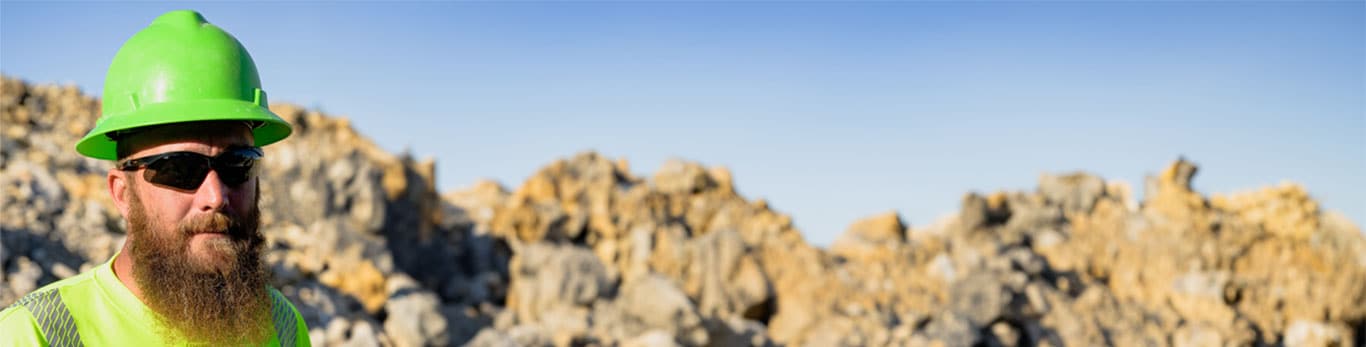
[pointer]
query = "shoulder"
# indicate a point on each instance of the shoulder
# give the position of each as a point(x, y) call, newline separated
point(18, 327)
point(280, 303)
point(51, 295)
point(289, 324)
point(19, 323)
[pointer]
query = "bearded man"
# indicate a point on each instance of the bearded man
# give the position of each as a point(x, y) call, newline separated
point(184, 119)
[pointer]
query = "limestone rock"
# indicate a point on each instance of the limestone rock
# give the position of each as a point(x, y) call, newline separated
point(980, 212)
point(952, 331)
point(1308, 333)
point(415, 318)
point(546, 276)
point(717, 271)
point(475, 205)
point(1171, 200)
point(1285, 210)
point(652, 303)
point(583, 253)
point(654, 338)
point(360, 279)
point(1076, 193)
point(871, 237)
point(681, 177)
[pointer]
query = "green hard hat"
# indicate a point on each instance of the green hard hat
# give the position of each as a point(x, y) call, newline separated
point(180, 69)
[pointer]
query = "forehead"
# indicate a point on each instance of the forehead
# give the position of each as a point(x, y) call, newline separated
point(197, 134)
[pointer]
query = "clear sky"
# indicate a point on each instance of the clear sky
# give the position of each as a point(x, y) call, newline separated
point(831, 111)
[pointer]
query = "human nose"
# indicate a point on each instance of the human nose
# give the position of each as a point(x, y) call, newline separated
point(212, 194)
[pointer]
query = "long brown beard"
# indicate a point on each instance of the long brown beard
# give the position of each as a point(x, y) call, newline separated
point(218, 298)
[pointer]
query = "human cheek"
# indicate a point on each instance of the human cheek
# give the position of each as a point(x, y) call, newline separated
point(243, 196)
point(165, 208)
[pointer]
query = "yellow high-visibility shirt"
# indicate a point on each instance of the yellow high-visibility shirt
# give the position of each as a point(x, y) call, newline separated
point(100, 311)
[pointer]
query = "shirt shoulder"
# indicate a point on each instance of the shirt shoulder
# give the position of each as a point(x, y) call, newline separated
point(298, 333)
point(18, 328)
point(63, 305)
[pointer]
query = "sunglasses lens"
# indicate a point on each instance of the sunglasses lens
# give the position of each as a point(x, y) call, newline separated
point(179, 171)
point(235, 168)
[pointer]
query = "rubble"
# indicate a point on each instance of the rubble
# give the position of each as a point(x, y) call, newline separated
point(584, 252)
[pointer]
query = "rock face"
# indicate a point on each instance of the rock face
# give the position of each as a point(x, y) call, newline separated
point(585, 252)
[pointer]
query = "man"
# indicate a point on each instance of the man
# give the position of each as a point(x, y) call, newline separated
point(184, 117)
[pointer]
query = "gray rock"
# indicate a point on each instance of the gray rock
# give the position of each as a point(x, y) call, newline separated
point(980, 297)
point(414, 315)
point(1026, 261)
point(492, 338)
point(975, 213)
point(23, 275)
point(952, 330)
point(85, 232)
point(651, 302)
point(1075, 193)
point(736, 331)
point(463, 323)
point(30, 198)
point(320, 305)
point(682, 177)
point(530, 336)
point(545, 276)
point(363, 334)
point(727, 279)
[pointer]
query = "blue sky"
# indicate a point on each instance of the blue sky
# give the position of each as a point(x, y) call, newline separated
point(830, 111)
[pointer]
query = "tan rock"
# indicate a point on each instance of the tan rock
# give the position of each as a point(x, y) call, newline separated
point(681, 177)
point(654, 338)
point(1317, 334)
point(359, 278)
point(1285, 210)
point(1171, 201)
point(721, 175)
point(605, 258)
point(479, 200)
point(872, 238)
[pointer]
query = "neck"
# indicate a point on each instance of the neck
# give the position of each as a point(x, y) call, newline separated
point(123, 269)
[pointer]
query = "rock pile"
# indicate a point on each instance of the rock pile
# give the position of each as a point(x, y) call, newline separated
point(586, 253)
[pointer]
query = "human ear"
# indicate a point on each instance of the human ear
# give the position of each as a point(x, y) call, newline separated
point(118, 189)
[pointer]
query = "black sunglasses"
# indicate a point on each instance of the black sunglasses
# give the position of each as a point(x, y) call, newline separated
point(187, 170)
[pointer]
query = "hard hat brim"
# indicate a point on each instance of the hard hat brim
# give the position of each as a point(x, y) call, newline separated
point(98, 145)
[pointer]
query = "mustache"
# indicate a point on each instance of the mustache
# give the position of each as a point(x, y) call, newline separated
point(216, 222)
